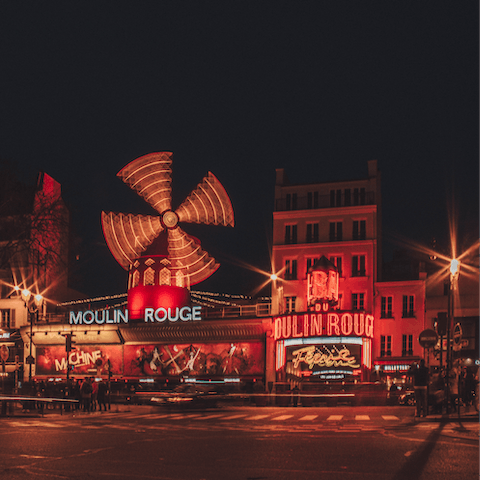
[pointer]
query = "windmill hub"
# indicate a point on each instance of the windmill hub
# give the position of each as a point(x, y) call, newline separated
point(170, 219)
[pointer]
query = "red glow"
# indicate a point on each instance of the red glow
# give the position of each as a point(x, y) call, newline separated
point(155, 296)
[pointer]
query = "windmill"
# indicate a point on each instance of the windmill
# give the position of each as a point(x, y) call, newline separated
point(164, 261)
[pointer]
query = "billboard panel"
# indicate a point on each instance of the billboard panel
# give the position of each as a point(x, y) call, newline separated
point(85, 359)
point(226, 359)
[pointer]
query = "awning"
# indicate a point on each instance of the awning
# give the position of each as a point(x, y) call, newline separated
point(190, 333)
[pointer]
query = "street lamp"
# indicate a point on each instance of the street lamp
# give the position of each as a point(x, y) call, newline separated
point(453, 278)
point(32, 308)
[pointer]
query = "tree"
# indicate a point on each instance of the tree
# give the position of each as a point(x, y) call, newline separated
point(34, 225)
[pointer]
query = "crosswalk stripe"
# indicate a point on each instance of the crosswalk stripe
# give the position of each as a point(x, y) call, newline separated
point(232, 417)
point(282, 417)
point(334, 418)
point(390, 417)
point(257, 417)
point(362, 417)
point(309, 417)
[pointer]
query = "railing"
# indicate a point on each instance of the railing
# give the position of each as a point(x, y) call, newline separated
point(324, 201)
point(258, 310)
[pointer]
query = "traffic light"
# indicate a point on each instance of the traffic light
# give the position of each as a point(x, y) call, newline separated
point(442, 323)
point(69, 342)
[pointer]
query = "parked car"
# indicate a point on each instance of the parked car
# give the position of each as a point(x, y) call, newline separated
point(407, 398)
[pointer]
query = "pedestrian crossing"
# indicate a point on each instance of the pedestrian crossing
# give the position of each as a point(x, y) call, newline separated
point(349, 423)
point(205, 416)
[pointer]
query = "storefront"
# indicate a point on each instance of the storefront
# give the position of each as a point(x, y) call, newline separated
point(323, 346)
point(160, 352)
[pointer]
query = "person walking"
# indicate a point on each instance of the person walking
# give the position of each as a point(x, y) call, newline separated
point(86, 391)
point(101, 395)
point(420, 382)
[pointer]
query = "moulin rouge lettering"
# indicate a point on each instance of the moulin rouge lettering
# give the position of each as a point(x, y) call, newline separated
point(311, 356)
point(317, 324)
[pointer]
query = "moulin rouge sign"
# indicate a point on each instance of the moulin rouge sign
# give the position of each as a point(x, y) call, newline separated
point(332, 324)
point(151, 315)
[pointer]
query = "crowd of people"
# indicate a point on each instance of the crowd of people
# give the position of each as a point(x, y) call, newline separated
point(432, 388)
point(91, 394)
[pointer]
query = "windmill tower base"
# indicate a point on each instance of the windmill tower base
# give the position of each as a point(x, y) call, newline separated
point(155, 296)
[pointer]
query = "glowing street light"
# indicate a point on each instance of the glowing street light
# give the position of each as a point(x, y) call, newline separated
point(454, 271)
point(454, 267)
point(32, 308)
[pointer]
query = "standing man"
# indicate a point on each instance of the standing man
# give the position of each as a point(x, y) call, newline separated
point(420, 383)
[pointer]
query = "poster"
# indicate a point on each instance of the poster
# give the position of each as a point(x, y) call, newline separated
point(85, 360)
point(225, 359)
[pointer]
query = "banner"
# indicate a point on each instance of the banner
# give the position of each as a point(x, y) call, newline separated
point(85, 360)
point(225, 359)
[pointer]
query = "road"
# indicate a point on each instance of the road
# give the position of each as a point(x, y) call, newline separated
point(246, 443)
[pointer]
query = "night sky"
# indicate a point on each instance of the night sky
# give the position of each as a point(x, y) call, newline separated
point(242, 88)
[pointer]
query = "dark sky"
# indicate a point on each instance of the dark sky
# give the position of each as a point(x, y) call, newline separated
point(242, 88)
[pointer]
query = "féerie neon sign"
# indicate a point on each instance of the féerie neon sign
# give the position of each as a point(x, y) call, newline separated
point(312, 357)
point(306, 325)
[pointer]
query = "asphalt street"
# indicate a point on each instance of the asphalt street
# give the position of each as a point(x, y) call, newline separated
point(142, 442)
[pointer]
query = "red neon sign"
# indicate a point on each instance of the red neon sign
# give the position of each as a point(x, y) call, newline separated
point(338, 324)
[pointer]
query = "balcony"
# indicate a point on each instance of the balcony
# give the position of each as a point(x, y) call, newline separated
point(323, 201)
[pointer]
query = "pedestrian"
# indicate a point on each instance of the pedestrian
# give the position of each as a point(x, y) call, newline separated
point(86, 390)
point(101, 395)
point(94, 394)
point(295, 392)
point(420, 383)
point(453, 387)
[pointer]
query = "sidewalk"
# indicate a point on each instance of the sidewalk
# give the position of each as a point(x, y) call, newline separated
point(469, 416)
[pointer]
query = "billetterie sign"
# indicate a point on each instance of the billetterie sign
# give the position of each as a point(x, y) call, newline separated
point(151, 315)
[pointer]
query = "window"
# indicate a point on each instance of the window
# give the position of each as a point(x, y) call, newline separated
point(312, 232)
point(336, 231)
point(290, 269)
point(385, 345)
point(5, 318)
point(359, 230)
point(386, 307)
point(291, 201)
point(408, 306)
point(348, 197)
point(359, 196)
point(358, 266)
point(311, 262)
point(290, 304)
point(337, 261)
point(358, 301)
point(149, 276)
point(407, 345)
point(290, 234)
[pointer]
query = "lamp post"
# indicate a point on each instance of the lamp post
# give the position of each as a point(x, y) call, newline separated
point(453, 278)
point(32, 310)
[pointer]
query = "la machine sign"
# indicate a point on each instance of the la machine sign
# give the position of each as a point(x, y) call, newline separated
point(151, 315)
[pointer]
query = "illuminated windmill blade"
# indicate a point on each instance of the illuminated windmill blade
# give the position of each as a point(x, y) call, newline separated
point(151, 177)
point(208, 204)
point(129, 235)
point(189, 261)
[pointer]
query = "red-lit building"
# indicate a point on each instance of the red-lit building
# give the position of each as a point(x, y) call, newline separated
point(340, 222)
point(331, 318)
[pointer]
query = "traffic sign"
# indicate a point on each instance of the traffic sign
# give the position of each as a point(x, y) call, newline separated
point(457, 337)
point(428, 338)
